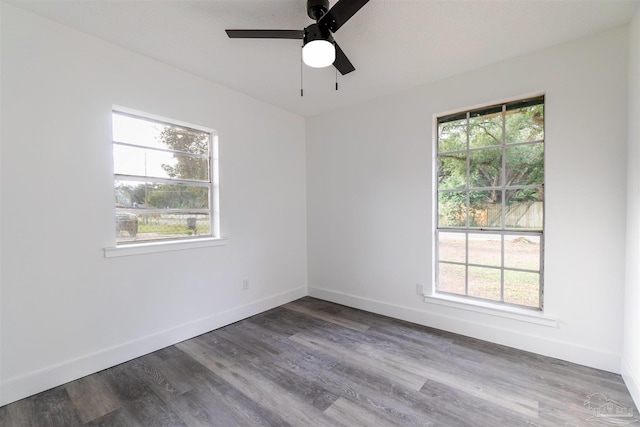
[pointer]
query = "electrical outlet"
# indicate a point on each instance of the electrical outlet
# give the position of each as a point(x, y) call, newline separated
point(419, 289)
point(245, 284)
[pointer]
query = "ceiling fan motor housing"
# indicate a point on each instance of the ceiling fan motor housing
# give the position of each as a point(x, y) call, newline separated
point(317, 8)
point(315, 32)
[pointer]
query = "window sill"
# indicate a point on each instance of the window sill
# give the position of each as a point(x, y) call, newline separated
point(508, 312)
point(157, 247)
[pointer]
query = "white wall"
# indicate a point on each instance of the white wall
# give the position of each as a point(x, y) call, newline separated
point(67, 310)
point(369, 206)
point(631, 350)
point(1, 400)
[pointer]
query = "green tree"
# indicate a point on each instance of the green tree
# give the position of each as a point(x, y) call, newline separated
point(188, 141)
point(524, 164)
point(128, 195)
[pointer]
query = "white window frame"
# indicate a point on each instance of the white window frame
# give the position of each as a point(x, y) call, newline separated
point(179, 243)
point(467, 302)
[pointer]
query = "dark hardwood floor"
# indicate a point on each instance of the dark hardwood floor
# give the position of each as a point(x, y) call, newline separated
point(314, 363)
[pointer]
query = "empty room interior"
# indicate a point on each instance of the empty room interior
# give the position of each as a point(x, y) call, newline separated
point(204, 223)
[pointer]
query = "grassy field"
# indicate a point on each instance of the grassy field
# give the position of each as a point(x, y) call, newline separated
point(162, 228)
point(171, 229)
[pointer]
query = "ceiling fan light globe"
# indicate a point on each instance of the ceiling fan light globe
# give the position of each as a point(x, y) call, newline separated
point(319, 53)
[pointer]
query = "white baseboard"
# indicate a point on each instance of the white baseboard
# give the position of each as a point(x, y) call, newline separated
point(53, 376)
point(632, 380)
point(574, 353)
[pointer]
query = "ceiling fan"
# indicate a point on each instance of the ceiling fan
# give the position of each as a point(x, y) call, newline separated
point(319, 49)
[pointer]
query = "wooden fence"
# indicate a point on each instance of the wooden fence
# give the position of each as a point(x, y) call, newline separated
point(520, 215)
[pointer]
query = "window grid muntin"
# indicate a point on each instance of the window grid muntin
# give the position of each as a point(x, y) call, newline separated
point(210, 212)
point(165, 150)
point(140, 178)
point(502, 230)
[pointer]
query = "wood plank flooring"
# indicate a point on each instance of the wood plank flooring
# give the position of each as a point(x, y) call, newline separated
point(314, 363)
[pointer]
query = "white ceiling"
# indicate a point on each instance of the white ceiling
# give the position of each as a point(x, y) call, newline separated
point(394, 44)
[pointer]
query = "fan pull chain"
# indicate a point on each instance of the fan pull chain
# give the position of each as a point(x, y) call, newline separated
point(336, 79)
point(301, 80)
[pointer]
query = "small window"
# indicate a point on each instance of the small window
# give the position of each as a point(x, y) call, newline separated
point(490, 203)
point(164, 179)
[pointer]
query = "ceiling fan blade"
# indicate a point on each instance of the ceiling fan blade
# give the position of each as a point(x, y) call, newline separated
point(265, 34)
point(340, 13)
point(342, 63)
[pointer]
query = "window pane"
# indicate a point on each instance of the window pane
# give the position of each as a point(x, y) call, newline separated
point(141, 215)
point(177, 196)
point(185, 139)
point(452, 209)
point(130, 194)
point(452, 247)
point(484, 283)
point(143, 162)
point(140, 195)
point(525, 124)
point(452, 172)
point(485, 249)
point(451, 278)
point(134, 130)
point(484, 167)
point(522, 252)
point(486, 129)
point(522, 288)
point(452, 136)
point(187, 167)
point(525, 164)
point(140, 225)
point(485, 208)
point(524, 208)
point(148, 133)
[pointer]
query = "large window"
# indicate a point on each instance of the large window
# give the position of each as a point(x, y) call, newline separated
point(164, 180)
point(490, 203)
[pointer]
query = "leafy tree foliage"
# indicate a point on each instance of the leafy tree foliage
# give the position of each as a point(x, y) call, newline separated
point(128, 195)
point(478, 172)
point(188, 141)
